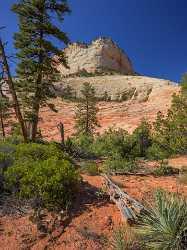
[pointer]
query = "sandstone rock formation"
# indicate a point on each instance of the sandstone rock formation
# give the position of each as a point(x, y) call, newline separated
point(116, 87)
point(126, 114)
point(102, 55)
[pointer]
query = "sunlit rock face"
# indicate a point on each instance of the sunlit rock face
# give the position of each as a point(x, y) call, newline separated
point(102, 55)
point(116, 87)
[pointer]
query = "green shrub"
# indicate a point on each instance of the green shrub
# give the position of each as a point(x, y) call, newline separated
point(164, 170)
point(119, 165)
point(183, 175)
point(141, 139)
point(90, 168)
point(155, 152)
point(164, 226)
point(111, 143)
point(80, 146)
point(52, 181)
point(38, 152)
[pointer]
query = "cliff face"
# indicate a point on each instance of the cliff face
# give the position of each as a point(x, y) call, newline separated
point(116, 87)
point(101, 55)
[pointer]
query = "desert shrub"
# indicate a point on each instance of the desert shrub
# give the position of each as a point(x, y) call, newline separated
point(80, 146)
point(119, 143)
point(38, 152)
point(90, 168)
point(112, 143)
point(119, 165)
point(125, 238)
point(164, 226)
point(141, 139)
point(38, 171)
point(183, 175)
point(53, 181)
point(156, 152)
point(164, 170)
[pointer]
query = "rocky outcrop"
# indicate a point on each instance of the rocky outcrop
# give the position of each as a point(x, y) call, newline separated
point(102, 55)
point(116, 87)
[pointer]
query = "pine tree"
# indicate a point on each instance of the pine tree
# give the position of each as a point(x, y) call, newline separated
point(86, 111)
point(171, 130)
point(38, 27)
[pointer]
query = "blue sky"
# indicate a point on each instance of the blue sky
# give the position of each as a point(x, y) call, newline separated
point(152, 32)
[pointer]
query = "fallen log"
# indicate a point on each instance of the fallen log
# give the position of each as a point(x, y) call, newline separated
point(128, 206)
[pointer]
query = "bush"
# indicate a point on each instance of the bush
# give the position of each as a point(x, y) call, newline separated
point(52, 181)
point(119, 165)
point(164, 226)
point(165, 170)
point(38, 171)
point(183, 175)
point(155, 152)
point(112, 143)
point(80, 146)
point(90, 168)
point(141, 139)
point(38, 152)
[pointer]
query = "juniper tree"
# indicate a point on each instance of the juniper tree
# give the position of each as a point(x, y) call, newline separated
point(38, 27)
point(86, 111)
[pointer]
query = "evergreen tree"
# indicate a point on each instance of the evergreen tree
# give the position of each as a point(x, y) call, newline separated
point(86, 111)
point(171, 130)
point(38, 27)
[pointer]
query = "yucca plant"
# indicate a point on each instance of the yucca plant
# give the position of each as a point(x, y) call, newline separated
point(164, 226)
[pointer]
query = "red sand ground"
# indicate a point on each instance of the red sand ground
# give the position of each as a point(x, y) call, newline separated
point(92, 220)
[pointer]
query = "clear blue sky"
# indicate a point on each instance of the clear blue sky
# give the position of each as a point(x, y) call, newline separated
point(152, 32)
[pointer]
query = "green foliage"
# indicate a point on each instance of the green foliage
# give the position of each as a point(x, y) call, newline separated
point(164, 226)
point(157, 152)
point(141, 139)
point(54, 182)
point(80, 146)
point(119, 143)
point(164, 170)
point(170, 131)
point(86, 111)
point(90, 168)
point(41, 172)
point(4, 112)
point(120, 165)
point(112, 143)
point(38, 152)
point(38, 26)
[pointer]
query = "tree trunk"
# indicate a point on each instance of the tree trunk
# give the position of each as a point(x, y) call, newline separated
point(2, 124)
point(13, 92)
point(61, 129)
point(38, 93)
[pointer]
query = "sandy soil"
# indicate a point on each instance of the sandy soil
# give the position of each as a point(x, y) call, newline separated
point(92, 220)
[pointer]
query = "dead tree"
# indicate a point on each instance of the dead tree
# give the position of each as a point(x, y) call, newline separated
point(12, 91)
point(61, 129)
point(128, 206)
